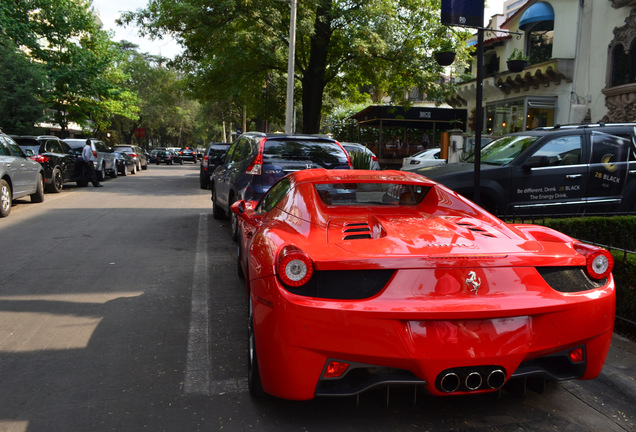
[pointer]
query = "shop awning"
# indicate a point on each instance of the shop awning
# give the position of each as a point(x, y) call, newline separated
point(538, 12)
point(414, 117)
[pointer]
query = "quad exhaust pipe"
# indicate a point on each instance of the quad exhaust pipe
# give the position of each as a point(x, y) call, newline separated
point(471, 379)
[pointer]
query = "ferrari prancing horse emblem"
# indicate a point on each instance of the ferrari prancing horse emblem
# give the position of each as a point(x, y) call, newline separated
point(474, 281)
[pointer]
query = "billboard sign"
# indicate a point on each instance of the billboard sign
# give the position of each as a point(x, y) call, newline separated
point(467, 13)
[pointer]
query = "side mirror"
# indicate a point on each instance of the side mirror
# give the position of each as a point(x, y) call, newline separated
point(238, 207)
point(29, 153)
point(245, 209)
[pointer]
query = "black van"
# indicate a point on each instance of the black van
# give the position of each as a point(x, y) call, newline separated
point(569, 170)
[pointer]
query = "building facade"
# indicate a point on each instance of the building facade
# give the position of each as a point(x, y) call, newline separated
point(578, 66)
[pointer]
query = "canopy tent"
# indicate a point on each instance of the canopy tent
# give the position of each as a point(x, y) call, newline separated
point(429, 121)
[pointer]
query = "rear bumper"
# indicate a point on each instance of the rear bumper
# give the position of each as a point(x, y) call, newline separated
point(386, 342)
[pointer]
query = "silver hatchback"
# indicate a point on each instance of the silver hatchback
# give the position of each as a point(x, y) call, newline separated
point(19, 175)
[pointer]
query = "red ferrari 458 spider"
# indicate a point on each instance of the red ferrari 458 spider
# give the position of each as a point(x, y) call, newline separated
point(358, 279)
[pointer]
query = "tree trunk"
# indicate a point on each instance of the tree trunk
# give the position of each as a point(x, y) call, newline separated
point(313, 81)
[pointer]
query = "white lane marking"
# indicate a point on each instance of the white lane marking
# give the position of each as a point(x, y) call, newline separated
point(198, 362)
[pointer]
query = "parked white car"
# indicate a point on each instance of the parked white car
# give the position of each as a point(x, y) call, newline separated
point(20, 176)
point(425, 158)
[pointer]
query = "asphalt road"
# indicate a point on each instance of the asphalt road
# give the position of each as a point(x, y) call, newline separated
point(121, 310)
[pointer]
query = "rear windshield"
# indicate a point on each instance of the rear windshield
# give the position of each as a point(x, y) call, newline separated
point(371, 193)
point(215, 152)
point(327, 154)
point(34, 148)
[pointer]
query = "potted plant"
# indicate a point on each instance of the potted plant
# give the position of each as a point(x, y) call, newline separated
point(517, 61)
point(445, 56)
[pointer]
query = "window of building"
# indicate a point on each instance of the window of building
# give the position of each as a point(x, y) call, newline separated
point(623, 66)
point(538, 23)
point(518, 115)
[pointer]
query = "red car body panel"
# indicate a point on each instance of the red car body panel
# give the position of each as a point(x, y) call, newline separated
point(428, 317)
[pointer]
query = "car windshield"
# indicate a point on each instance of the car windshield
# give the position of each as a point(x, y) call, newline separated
point(504, 150)
point(351, 194)
point(324, 153)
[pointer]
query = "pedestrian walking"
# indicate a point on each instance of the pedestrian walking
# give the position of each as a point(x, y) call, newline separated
point(89, 163)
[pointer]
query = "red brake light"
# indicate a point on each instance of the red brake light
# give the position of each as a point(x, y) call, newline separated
point(40, 158)
point(256, 167)
point(599, 263)
point(133, 154)
point(294, 268)
point(577, 355)
point(374, 158)
point(336, 369)
point(347, 153)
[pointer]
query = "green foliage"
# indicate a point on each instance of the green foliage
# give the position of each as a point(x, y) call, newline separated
point(82, 82)
point(618, 232)
point(20, 91)
point(360, 160)
point(340, 125)
point(240, 55)
point(625, 279)
point(517, 54)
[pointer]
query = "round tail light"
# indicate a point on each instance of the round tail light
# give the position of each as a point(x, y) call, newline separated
point(295, 268)
point(599, 263)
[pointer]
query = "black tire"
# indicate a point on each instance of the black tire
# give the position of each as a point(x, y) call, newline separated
point(254, 383)
point(6, 200)
point(57, 181)
point(38, 195)
point(204, 182)
point(114, 173)
point(124, 172)
point(234, 226)
point(239, 267)
point(133, 171)
point(217, 211)
point(101, 174)
point(181, 162)
point(234, 230)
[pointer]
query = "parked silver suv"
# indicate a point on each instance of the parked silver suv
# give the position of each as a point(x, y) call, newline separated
point(136, 153)
point(19, 175)
point(104, 157)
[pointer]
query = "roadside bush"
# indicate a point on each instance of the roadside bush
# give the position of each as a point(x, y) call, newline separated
point(360, 160)
point(616, 232)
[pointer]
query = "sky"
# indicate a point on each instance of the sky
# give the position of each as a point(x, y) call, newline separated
point(110, 10)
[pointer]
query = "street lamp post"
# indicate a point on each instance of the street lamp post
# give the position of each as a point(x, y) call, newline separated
point(479, 118)
point(289, 111)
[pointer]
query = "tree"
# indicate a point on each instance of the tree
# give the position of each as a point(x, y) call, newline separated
point(236, 50)
point(20, 91)
point(80, 60)
point(168, 112)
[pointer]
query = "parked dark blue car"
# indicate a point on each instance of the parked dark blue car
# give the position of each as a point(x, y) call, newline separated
point(256, 161)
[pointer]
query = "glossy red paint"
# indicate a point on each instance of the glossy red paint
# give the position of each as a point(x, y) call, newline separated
point(466, 292)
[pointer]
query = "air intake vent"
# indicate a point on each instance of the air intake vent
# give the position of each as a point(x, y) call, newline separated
point(356, 231)
point(475, 229)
